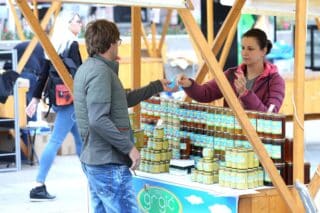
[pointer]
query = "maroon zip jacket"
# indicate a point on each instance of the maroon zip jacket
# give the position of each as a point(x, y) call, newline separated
point(269, 88)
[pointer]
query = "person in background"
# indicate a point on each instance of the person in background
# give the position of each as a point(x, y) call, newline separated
point(101, 106)
point(256, 82)
point(68, 25)
point(32, 69)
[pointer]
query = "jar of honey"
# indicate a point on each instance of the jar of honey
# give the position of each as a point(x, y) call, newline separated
point(278, 126)
point(207, 153)
point(229, 122)
point(237, 127)
point(218, 119)
point(222, 176)
point(185, 147)
point(261, 122)
point(211, 118)
point(288, 150)
point(252, 115)
point(242, 179)
point(158, 132)
point(278, 150)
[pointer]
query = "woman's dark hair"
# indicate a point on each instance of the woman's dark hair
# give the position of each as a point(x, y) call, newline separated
point(261, 38)
point(99, 36)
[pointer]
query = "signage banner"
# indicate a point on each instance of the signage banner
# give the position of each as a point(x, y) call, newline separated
point(155, 196)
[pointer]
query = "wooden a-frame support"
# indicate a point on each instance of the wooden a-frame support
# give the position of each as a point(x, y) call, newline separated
point(318, 22)
point(221, 36)
point(315, 183)
point(46, 44)
point(153, 49)
point(16, 21)
point(220, 39)
point(27, 53)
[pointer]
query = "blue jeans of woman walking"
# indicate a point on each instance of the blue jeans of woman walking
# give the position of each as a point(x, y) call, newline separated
point(65, 122)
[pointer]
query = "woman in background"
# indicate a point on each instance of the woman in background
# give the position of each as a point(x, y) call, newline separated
point(68, 26)
point(256, 82)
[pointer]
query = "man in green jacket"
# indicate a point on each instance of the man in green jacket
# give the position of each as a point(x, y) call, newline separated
point(101, 106)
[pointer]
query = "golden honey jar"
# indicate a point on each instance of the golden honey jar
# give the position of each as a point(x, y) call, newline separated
point(158, 132)
point(207, 153)
point(157, 144)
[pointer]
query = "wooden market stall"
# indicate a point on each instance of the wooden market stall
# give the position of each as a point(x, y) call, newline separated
point(251, 203)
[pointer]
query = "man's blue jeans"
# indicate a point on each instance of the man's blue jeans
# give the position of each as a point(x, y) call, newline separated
point(111, 188)
point(65, 122)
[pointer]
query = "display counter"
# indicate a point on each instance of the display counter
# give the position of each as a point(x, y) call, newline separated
point(170, 193)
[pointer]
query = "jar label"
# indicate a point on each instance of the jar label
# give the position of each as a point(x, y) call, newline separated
point(276, 127)
point(276, 151)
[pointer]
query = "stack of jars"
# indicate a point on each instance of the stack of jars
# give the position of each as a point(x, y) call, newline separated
point(241, 169)
point(207, 168)
point(204, 126)
point(241, 178)
point(156, 156)
point(149, 115)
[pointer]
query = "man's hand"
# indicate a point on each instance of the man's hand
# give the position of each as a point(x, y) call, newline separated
point(135, 158)
point(169, 86)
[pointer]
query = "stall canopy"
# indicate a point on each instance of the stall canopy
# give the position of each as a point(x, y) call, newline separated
point(276, 7)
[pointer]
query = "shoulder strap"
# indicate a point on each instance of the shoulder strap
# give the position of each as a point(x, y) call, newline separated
point(65, 53)
point(47, 114)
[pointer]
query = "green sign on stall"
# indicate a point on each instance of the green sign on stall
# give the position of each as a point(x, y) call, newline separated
point(156, 199)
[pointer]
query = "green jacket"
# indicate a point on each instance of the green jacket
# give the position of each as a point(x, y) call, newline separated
point(101, 107)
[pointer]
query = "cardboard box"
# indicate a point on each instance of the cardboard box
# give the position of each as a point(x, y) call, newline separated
point(7, 141)
point(68, 146)
point(40, 143)
point(50, 117)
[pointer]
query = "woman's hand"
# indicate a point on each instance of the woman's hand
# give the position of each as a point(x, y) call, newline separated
point(240, 83)
point(184, 81)
point(32, 107)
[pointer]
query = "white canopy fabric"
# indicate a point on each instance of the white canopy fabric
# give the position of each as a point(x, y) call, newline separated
point(276, 7)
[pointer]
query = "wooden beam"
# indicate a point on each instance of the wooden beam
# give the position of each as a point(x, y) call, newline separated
point(210, 23)
point(46, 44)
point(35, 8)
point(220, 38)
point(307, 117)
point(298, 102)
point(314, 184)
point(318, 22)
point(17, 21)
point(299, 78)
point(136, 52)
point(231, 98)
point(154, 39)
point(27, 53)
point(228, 43)
point(138, 3)
point(277, 7)
point(145, 39)
point(165, 27)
